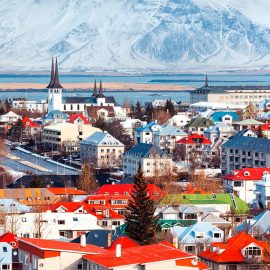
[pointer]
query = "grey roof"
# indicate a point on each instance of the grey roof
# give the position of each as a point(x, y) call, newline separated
point(86, 100)
point(145, 150)
point(248, 143)
point(216, 128)
point(56, 114)
point(200, 122)
point(170, 130)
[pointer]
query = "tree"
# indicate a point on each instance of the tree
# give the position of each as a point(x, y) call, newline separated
point(87, 180)
point(141, 224)
point(36, 182)
point(169, 107)
point(100, 123)
point(138, 111)
point(161, 116)
point(17, 132)
point(149, 113)
point(260, 133)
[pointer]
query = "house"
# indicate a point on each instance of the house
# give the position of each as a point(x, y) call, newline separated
point(238, 252)
point(196, 238)
point(43, 253)
point(263, 191)
point(179, 120)
point(194, 148)
point(33, 129)
point(145, 134)
point(129, 125)
point(22, 103)
point(70, 194)
point(12, 206)
point(102, 149)
point(243, 182)
point(250, 111)
point(54, 117)
point(265, 129)
point(244, 151)
point(79, 119)
point(226, 117)
point(66, 137)
point(223, 202)
point(166, 137)
point(34, 197)
point(247, 124)
point(152, 257)
point(150, 156)
point(258, 226)
point(198, 125)
point(8, 120)
point(6, 258)
point(51, 225)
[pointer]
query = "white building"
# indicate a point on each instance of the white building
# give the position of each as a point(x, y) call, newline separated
point(131, 124)
point(102, 149)
point(179, 120)
point(30, 105)
point(145, 134)
point(263, 191)
point(50, 225)
point(153, 160)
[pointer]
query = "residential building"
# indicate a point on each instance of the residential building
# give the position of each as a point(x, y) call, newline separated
point(167, 136)
point(196, 238)
point(79, 119)
point(226, 117)
point(52, 225)
point(66, 137)
point(222, 202)
point(152, 257)
point(30, 105)
point(263, 191)
point(265, 129)
point(145, 134)
point(102, 149)
point(130, 125)
point(69, 194)
point(54, 117)
point(194, 148)
point(198, 125)
point(152, 159)
point(6, 252)
point(244, 151)
point(250, 112)
point(43, 254)
point(247, 124)
point(8, 120)
point(161, 103)
point(239, 252)
point(243, 182)
point(32, 129)
point(179, 120)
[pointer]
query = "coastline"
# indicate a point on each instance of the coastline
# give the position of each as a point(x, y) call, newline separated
point(106, 86)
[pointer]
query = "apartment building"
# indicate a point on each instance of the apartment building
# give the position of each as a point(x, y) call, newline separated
point(102, 149)
point(244, 151)
point(152, 158)
point(66, 137)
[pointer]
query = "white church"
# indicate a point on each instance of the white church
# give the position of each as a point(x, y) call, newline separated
point(76, 104)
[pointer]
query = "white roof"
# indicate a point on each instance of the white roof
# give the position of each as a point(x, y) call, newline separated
point(215, 105)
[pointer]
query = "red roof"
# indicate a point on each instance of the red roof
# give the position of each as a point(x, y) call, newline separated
point(67, 191)
point(194, 139)
point(247, 174)
point(190, 262)
point(28, 122)
point(195, 190)
point(231, 251)
point(10, 239)
point(54, 245)
point(124, 241)
point(75, 116)
point(125, 189)
point(266, 126)
point(139, 255)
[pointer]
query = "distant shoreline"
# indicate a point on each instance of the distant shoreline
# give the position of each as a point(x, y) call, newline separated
point(108, 87)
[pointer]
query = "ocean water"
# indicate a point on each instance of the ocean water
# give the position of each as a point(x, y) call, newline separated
point(194, 80)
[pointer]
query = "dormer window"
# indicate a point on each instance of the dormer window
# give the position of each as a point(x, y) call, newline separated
point(253, 251)
point(116, 193)
point(246, 173)
point(265, 173)
point(199, 235)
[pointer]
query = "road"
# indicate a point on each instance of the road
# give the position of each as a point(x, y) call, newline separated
point(22, 161)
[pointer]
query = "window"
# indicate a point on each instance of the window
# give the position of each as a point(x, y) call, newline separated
point(190, 249)
point(75, 219)
point(253, 251)
point(217, 235)
point(80, 266)
point(5, 266)
point(23, 219)
point(61, 222)
point(4, 249)
point(199, 235)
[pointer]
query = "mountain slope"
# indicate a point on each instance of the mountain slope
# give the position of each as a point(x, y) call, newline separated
point(134, 34)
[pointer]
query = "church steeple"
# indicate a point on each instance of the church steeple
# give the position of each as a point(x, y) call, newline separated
point(56, 82)
point(52, 76)
point(100, 92)
point(95, 93)
point(206, 81)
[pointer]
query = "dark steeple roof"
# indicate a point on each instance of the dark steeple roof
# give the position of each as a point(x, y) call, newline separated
point(100, 93)
point(206, 81)
point(95, 93)
point(56, 83)
point(52, 76)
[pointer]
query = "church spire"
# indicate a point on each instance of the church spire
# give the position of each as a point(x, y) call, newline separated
point(95, 93)
point(52, 76)
point(100, 92)
point(206, 80)
point(56, 83)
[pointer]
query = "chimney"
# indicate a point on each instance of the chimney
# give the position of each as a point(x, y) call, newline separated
point(109, 239)
point(195, 261)
point(199, 218)
point(118, 251)
point(175, 241)
point(83, 240)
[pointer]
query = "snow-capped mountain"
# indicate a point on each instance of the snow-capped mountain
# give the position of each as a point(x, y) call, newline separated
point(94, 35)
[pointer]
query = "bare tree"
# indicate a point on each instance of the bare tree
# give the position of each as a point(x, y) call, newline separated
point(87, 180)
point(10, 219)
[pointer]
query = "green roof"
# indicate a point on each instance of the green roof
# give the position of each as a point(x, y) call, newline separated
point(200, 122)
point(223, 198)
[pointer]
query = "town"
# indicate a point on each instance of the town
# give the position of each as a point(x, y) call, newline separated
point(87, 183)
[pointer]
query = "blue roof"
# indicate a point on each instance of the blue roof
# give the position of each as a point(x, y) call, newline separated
point(11, 205)
point(147, 127)
point(145, 150)
point(187, 234)
point(247, 143)
point(217, 126)
point(216, 116)
point(56, 114)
